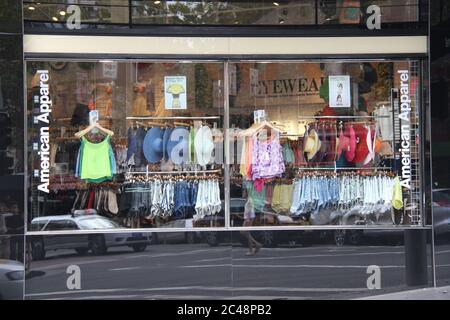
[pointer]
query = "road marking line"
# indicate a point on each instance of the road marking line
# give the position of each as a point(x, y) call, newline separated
point(127, 268)
point(118, 290)
point(319, 256)
point(284, 266)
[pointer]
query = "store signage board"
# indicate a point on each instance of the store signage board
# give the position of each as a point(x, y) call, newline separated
point(405, 128)
point(93, 117)
point(43, 120)
point(259, 115)
point(278, 85)
point(175, 92)
point(339, 91)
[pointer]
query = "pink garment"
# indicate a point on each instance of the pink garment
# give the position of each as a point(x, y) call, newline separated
point(267, 160)
point(258, 184)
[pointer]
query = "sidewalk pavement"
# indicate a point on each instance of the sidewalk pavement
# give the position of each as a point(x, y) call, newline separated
point(440, 293)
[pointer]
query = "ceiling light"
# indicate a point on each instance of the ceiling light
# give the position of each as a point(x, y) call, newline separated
point(156, 2)
point(62, 13)
point(54, 18)
point(31, 8)
point(276, 4)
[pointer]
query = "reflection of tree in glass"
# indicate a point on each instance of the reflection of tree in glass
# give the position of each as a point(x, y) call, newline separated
point(203, 87)
point(202, 12)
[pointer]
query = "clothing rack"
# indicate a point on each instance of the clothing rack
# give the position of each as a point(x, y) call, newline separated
point(342, 117)
point(173, 118)
point(172, 172)
point(344, 168)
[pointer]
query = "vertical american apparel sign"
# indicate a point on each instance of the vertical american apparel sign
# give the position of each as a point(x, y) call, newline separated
point(42, 121)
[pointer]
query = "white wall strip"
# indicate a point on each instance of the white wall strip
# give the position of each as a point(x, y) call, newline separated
point(58, 44)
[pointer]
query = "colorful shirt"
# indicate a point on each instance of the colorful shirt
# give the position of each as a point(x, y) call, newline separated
point(267, 158)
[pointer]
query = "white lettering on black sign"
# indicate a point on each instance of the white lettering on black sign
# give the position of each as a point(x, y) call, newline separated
point(45, 108)
point(405, 129)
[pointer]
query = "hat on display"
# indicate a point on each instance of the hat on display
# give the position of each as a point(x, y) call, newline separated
point(328, 112)
point(324, 139)
point(166, 137)
point(350, 152)
point(179, 140)
point(343, 144)
point(371, 146)
point(312, 144)
point(153, 145)
point(362, 150)
point(204, 145)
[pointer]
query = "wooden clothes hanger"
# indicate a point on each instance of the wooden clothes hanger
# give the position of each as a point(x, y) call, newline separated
point(96, 125)
point(256, 127)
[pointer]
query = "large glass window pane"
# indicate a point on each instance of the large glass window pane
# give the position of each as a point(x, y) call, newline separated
point(224, 12)
point(87, 11)
point(357, 11)
point(230, 13)
point(330, 143)
point(138, 143)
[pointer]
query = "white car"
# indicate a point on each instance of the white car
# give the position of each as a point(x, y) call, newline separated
point(11, 280)
point(82, 243)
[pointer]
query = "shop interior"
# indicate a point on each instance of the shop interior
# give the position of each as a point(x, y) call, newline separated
point(148, 144)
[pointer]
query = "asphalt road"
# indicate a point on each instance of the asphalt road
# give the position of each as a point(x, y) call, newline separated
point(198, 271)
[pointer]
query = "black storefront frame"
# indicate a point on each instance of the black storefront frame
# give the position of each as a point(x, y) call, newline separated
point(226, 59)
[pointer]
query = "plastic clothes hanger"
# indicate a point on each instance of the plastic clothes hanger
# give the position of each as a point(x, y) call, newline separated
point(96, 125)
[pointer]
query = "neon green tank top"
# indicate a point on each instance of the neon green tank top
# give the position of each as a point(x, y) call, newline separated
point(95, 162)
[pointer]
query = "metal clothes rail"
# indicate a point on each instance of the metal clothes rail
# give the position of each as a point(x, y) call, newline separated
point(173, 172)
point(173, 118)
point(342, 117)
point(344, 168)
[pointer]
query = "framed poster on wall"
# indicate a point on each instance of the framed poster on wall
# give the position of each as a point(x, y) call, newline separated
point(175, 92)
point(339, 91)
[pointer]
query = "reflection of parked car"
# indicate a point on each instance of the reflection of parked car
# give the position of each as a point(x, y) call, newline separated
point(268, 238)
point(11, 279)
point(82, 243)
point(172, 237)
point(441, 213)
point(175, 237)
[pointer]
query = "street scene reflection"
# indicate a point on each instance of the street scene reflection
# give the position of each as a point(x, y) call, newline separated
point(204, 265)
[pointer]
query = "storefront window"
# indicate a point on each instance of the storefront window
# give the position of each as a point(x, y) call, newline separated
point(138, 143)
point(331, 143)
point(142, 144)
